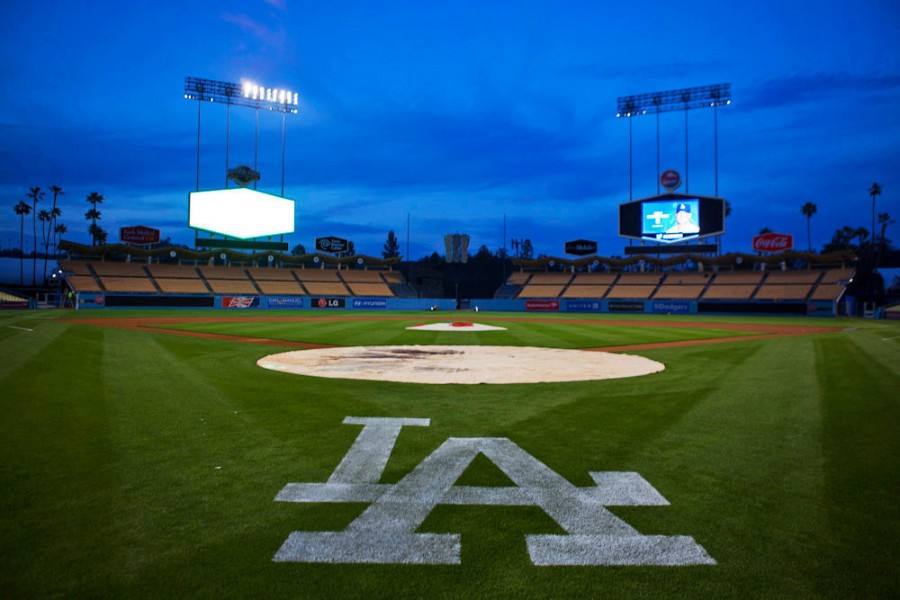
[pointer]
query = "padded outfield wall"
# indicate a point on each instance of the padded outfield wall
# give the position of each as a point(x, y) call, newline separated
point(669, 307)
point(250, 302)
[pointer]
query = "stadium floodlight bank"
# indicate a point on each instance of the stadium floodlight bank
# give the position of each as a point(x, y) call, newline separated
point(707, 96)
point(247, 94)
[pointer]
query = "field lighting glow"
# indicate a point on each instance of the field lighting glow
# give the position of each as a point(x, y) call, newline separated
point(240, 212)
point(273, 95)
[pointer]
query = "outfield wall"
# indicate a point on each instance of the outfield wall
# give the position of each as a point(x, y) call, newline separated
point(657, 307)
point(667, 307)
point(245, 302)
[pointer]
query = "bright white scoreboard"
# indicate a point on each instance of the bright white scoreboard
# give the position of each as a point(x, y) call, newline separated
point(241, 213)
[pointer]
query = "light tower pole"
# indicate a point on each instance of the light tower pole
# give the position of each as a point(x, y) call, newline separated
point(708, 96)
point(249, 95)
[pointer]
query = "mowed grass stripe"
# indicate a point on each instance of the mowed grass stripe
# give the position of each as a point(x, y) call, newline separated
point(18, 346)
point(861, 386)
point(56, 465)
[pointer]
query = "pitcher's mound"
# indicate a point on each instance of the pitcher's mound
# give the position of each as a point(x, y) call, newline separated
point(460, 364)
point(456, 326)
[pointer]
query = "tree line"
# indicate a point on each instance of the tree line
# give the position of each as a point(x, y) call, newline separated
point(52, 229)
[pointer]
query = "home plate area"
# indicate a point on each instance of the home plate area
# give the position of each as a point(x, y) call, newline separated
point(460, 364)
point(455, 326)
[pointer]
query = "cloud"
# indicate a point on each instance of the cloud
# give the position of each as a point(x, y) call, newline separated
point(432, 150)
point(269, 37)
point(796, 90)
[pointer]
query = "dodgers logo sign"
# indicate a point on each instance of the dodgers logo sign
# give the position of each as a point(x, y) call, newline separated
point(385, 533)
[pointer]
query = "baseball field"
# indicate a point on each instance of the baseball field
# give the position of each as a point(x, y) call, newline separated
point(149, 454)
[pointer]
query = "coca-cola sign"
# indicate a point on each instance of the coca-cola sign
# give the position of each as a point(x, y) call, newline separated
point(773, 242)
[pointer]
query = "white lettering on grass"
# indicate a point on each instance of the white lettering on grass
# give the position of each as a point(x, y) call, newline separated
point(385, 533)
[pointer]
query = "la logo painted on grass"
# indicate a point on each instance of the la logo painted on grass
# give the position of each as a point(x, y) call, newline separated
point(385, 533)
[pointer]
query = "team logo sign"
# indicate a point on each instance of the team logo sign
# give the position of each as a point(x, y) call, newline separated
point(385, 533)
point(243, 175)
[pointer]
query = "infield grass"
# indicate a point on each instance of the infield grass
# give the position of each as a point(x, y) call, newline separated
point(143, 464)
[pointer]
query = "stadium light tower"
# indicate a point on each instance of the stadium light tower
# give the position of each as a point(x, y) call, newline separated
point(249, 95)
point(707, 96)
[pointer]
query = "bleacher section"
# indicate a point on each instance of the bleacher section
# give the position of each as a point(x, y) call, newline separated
point(366, 283)
point(141, 278)
point(545, 285)
point(794, 286)
point(590, 285)
point(729, 285)
point(682, 286)
point(787, 285)
point(635, 286)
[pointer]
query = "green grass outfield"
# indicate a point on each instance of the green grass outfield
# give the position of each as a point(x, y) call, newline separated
point(145, 464)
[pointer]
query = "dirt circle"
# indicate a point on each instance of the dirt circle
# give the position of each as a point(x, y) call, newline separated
point(460, 364)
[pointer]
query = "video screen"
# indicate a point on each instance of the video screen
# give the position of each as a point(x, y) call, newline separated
point(240, 213)
point(670, 220)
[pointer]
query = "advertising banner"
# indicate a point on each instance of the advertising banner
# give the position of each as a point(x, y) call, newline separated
point(327, 303)
point(583, 306)
point(671, 306)
point(139, 235)
point(542, 305)
point(370, 303)
point(581, 247)
point(625, 306)
point(284, 302)
point(331, 244)
point(773, 242)
point(240, 301)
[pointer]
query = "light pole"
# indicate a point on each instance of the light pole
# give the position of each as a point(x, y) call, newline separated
point(249, 95)
point(707, 96)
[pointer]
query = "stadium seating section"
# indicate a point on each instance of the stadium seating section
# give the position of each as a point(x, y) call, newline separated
point(774, 286)
point(150, 278)
point(96, 276)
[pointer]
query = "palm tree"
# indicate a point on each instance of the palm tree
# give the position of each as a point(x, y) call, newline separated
point(22, 209)
point(808, 210)
point(59, 229)
point(55, 212)
point(884, 219)
point(36, 195)
point(45, 218)
point(875, 190)
point(93, 215)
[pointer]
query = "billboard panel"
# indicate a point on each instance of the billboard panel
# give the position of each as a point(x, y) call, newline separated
point(240, 213)
point(672, 218)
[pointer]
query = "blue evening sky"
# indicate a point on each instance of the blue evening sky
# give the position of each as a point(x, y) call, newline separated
point(453, 115)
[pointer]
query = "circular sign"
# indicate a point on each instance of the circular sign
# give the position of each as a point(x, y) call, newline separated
point(223, 256)
point(172, 253)
point(670, 179)
point(271, 258)
point(323, 303)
